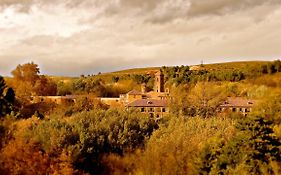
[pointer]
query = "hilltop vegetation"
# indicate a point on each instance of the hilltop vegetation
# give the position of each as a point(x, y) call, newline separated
point(89, 138)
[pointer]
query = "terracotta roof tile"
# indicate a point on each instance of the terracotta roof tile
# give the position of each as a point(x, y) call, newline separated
point(134, 92)
point(238, 102)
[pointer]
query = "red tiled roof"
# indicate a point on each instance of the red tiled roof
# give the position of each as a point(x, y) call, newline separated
point(148, 103)
point(238, 102)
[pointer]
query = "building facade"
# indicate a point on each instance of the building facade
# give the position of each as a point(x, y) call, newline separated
point(155, 108)
point(237, 104)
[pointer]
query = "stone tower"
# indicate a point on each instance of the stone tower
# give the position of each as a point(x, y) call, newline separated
point(159, 82)
point(143, 88)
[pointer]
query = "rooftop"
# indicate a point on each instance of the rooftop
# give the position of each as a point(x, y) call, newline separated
point(238, 102)
point(134, 92)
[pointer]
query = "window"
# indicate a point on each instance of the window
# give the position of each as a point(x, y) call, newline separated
point(142, 110)
point(163, 109)
point(151, 110)
point(233, 109)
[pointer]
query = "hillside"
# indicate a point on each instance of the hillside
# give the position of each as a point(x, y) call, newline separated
point(215, 67)
point(240, 65)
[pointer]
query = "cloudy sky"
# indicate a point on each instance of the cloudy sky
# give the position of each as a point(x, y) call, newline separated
point(73, 37)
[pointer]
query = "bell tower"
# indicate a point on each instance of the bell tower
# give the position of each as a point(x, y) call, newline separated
point(159, 82)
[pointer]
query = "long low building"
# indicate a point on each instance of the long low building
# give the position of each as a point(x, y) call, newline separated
point(237, 104)
point(153, 107)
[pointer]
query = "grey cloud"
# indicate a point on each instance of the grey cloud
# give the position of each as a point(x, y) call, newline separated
point(154, 11)
point(15, 2)
point(163, 11)
point(25, 5)
point(141, 33)
point(201, 8)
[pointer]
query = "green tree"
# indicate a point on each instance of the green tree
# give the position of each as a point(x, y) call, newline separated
point(255, 149)
point(115, 79)
point(7, 98)
point(89, 136)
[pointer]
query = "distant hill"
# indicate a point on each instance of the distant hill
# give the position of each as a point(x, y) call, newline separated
point(233, 65)
point(137, 71)
point(209, 67)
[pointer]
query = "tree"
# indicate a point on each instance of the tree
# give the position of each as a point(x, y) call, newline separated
point(205, 97)
point(7, 98)
point(27, 81)
point(28, 72)
point(90, 135)
point(255, 149)
point(44, 86)
point(115, 79)
point(277, 65)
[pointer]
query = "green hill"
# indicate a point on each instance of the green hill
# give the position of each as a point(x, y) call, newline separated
point(242, 65)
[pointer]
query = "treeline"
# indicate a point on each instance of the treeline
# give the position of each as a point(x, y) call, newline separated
point(27, 80)
point(101, 88)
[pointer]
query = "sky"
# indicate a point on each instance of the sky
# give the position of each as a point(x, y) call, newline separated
point(74, 37)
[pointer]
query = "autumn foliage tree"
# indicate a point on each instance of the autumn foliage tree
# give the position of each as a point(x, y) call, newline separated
point(27, 81)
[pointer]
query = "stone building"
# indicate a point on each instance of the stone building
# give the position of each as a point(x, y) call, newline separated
point(154, 103)
point(237, 104)
point(153, 107)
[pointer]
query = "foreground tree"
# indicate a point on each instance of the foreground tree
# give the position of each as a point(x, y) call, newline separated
point(27, 81)
point(255, 149)
point(7, 98)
